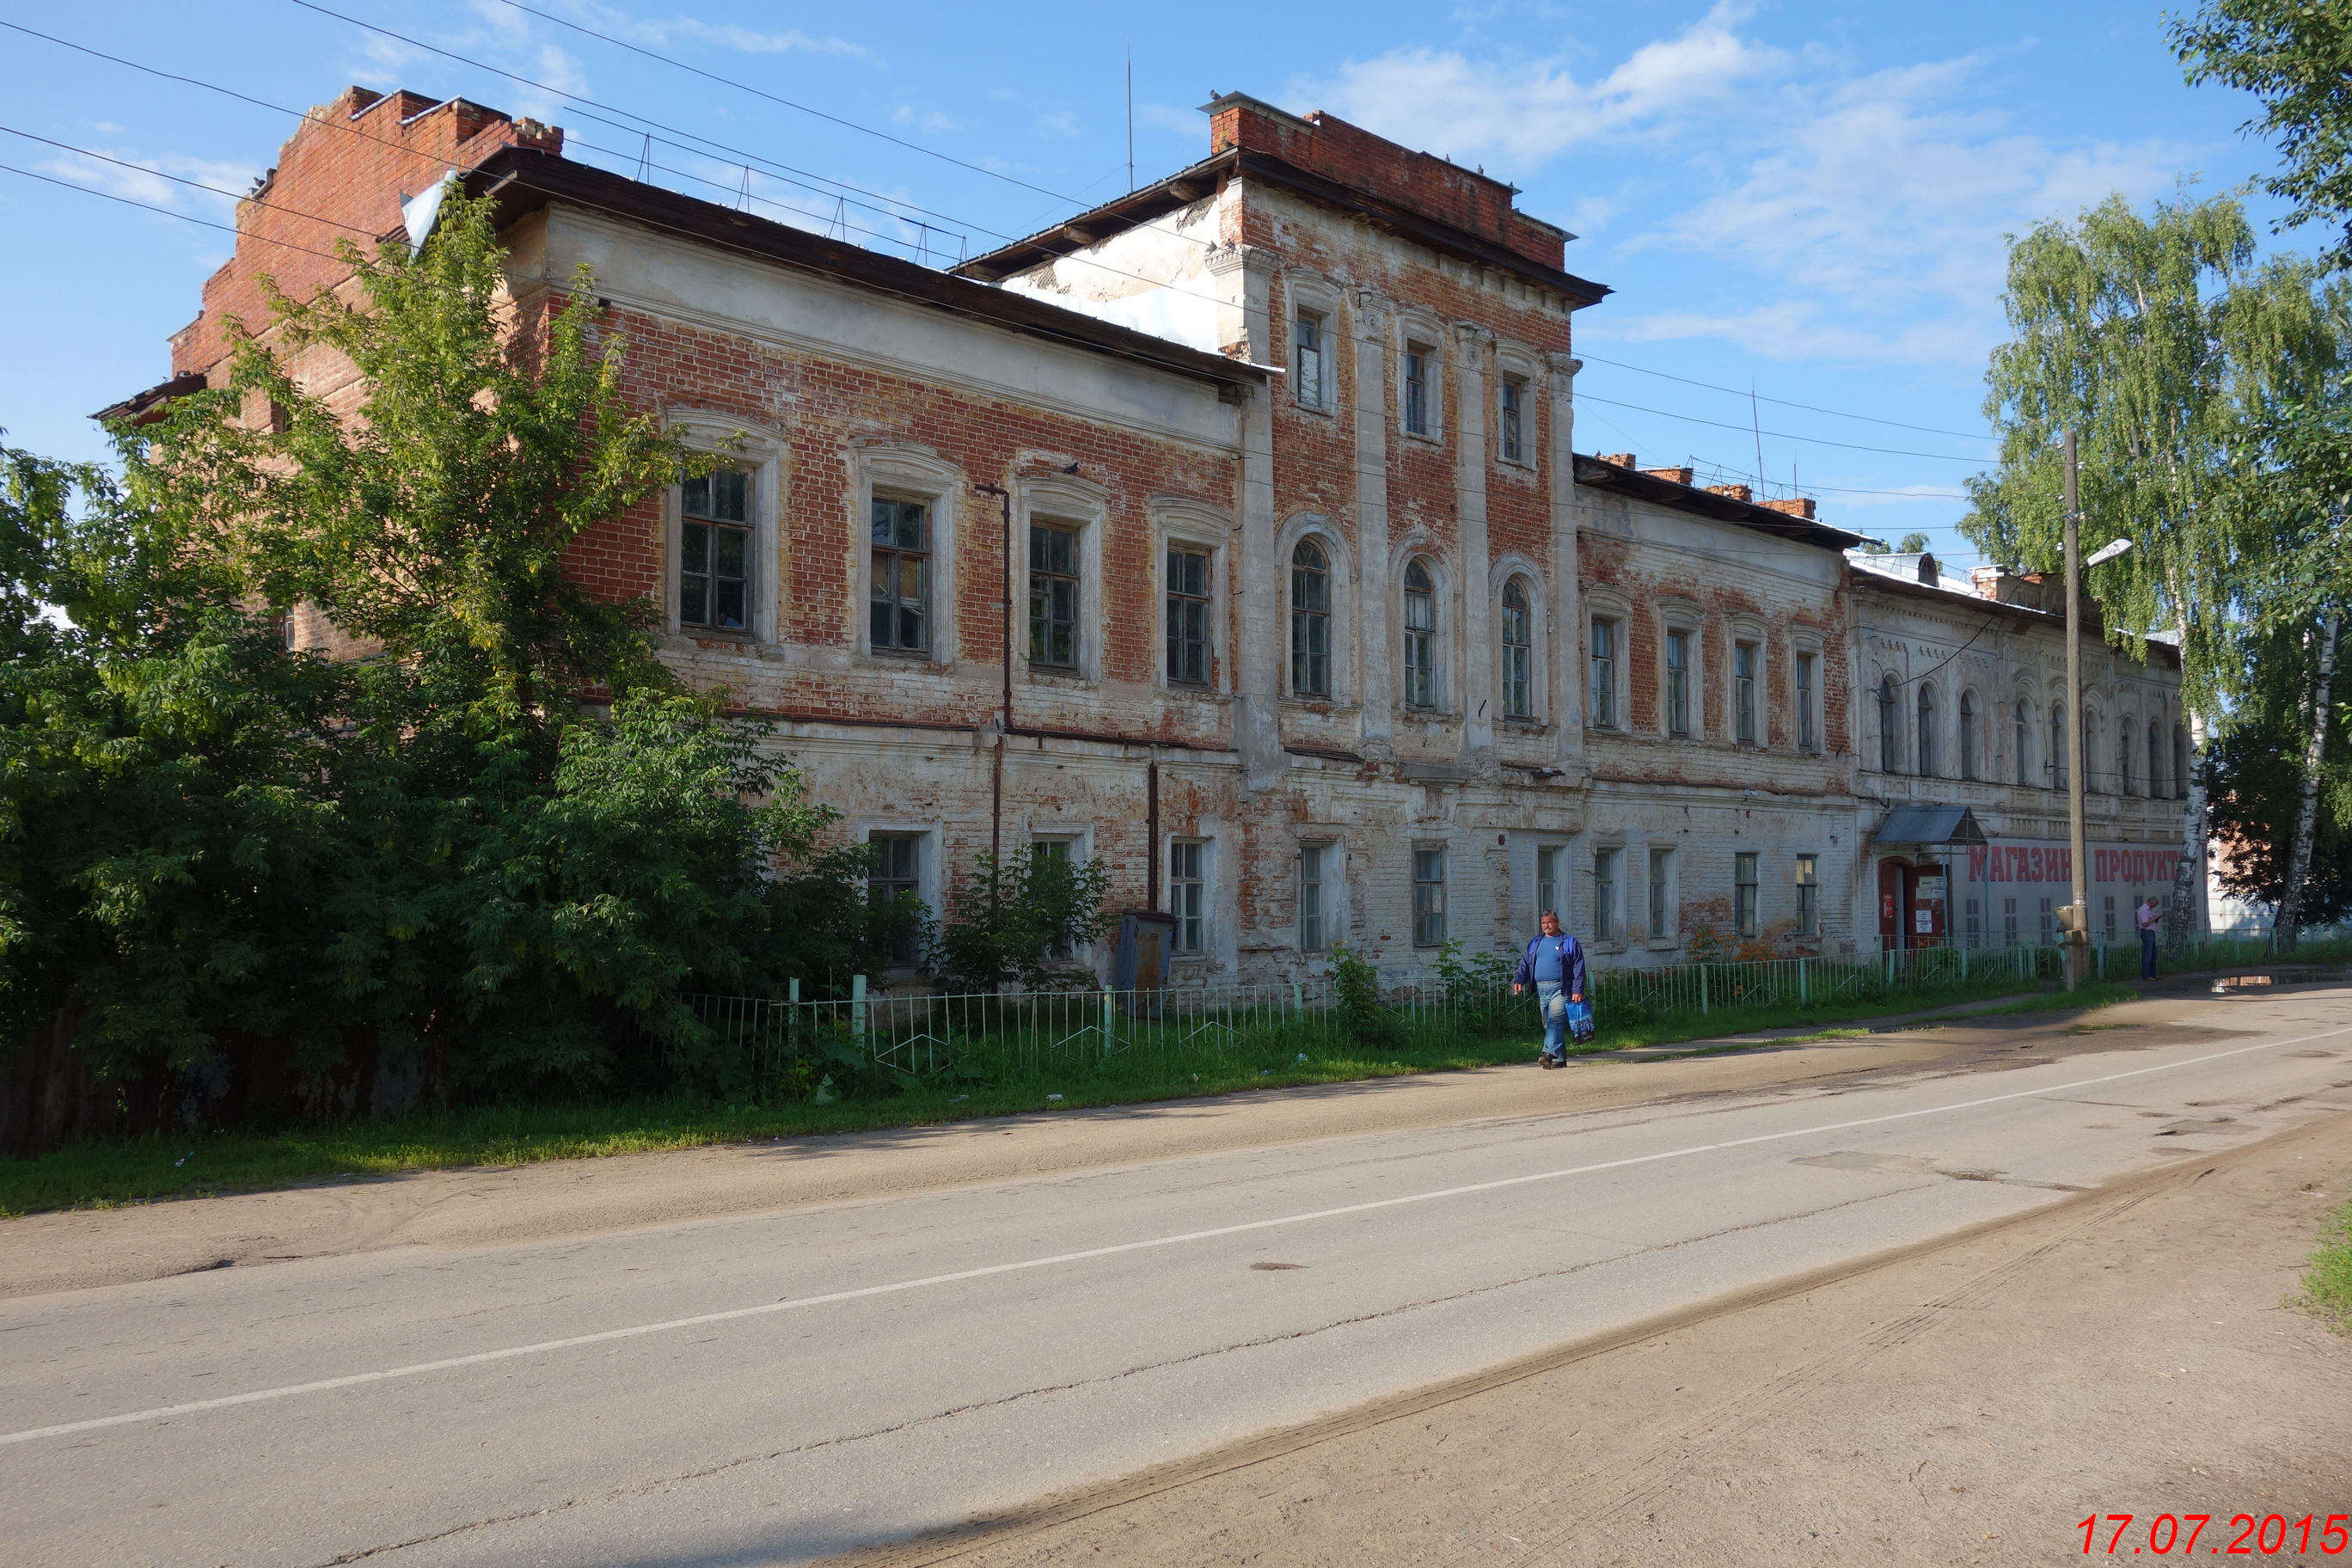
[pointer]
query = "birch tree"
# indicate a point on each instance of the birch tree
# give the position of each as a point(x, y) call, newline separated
point(2158, 340)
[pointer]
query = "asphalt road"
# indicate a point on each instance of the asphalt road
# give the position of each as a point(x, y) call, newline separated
point(778, 1388)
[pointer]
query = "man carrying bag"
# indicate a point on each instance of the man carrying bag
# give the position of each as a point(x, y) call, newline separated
point(1554, 965)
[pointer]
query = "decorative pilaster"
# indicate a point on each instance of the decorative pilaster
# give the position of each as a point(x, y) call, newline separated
point(1474, 670)
point(1245, 325)
point(1568, 597)
point(1372, 608)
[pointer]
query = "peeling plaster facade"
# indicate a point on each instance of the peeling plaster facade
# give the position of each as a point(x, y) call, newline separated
point(1513, 678)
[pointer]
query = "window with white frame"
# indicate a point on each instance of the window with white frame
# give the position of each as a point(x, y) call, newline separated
point(1603, 671)
point(894, 875)
point(1188, 881)
point(1809, 735)
point(1310, 620)
point(714, 569)
point(1420, 388)
point(898, 613)
point(1314, 897)
point(1548, 857)
point(1512, 414)
point(1678, 681)
point(1744, 889)
point(1421, 685)
point(1604, 895)
point(1188, 614)
point(1310, 360)
point(1809, 896)
point(1054, 854)
point(1053, 595)
point(1429, 895)
point(1518, 650)
point(1747, 724)
point(1662, 893)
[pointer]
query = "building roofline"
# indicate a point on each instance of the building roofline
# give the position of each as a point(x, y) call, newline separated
point(1189, 185)
point(144, 407)
point(524, 180)
point(1594, 474)
point(2093, 621)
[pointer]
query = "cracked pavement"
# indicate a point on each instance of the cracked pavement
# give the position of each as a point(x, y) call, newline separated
point(820, 1378)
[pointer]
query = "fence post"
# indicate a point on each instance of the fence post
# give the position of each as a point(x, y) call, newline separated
point(1964, 964)
point(1298, 998)
point(1702, 990)
point(857, 1008)
point(1801, 982)
point(1106, 1020)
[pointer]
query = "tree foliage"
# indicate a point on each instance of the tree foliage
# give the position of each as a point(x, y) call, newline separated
point(2255, 782)
point(1018, 919)
point(2296, 56)
point(231, 871)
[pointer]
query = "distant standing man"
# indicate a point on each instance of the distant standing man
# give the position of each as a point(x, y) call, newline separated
point(1553, 964)
point(2150, 917)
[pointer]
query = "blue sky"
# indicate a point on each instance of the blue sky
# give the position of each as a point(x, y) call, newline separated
point(1809, 200)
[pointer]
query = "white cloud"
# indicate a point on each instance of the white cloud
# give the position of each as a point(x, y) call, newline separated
point(923, 120)
point(142, 179)
point(656, 33)
point(1060, 122)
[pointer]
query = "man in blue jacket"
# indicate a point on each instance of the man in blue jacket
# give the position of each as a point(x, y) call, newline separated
point(1553, 964)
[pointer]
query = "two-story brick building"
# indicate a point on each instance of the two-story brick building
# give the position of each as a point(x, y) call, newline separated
point(1232, 534)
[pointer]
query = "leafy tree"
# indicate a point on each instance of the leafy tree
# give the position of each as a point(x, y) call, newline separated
point(2296, 56)
point(1912, 543)
point(2257, 778)
point(2159, 343)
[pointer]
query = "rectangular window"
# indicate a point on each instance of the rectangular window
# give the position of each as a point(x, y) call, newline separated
point(1974, 923)
point(1809, 896)
point(1604, 895)
point(1677, 683)
point(898, 615)
point(1604, 674)
point(2110, 912)
point(1060, 853)
point(1518, 651)
point(1188, 616)
point(1807, 738)
point(1429, 897)
point(1743, 693)
point(2008, 922)
point(1314, 932)
point(1547, 890)
point(2049, 924)
point(1416, 389)
point(1187, 863)
point(1420, 638)
point(714, 571)
point(1053, 596)
point(1307, 360)
point(896, 873)
point(1311, 621)
point(1743, 894)
point(1514, 411)
point(1662, 882)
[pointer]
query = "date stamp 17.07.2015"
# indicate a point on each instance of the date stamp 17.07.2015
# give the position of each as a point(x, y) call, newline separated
point(2244, 1536)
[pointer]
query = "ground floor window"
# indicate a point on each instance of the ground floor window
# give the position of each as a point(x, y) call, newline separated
point(1314, 933)
point(1429, 897)
point(896, 873)
point(1662, 897)
point(1547, 890)
point(1743, 894)
point(1188, 860)
point(1809, 896)
point(1604, 895)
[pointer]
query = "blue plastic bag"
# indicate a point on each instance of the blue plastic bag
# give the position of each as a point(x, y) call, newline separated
point(1580, 1021)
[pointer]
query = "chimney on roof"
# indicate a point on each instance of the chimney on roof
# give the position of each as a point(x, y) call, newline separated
point(1616, 459)
point(1795, 506)
point(1736, 492)
point(1672, 476)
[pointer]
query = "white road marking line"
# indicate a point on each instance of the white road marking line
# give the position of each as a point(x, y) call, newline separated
point(795, 1304)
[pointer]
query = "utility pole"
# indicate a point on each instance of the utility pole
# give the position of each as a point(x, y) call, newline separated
point(2077, 939)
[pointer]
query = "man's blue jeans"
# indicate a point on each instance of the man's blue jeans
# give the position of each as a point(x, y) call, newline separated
point(2148, 955)
point(1551, 1001)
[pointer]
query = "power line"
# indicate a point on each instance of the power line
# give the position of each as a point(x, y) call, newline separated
point(1780, 434)
point(167, 212)
point(1782, 402)
point(178, 180)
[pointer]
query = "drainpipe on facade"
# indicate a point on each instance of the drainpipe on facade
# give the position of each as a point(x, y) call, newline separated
point(1004, 719)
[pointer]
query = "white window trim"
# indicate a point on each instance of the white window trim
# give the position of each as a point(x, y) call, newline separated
point(1066, 500)
point(1748, 630)
point(1607, 604)
point(1422, 327)
point(1672, 936)
point(1206, 953)
point(1595, 847)
point(1442, 633)
point(1316, 295)
point(905, 472)
point(1808, 647)
point(1539, 638)
point(1515, 362)
point(1176, 521)
point(1340, 563)
point(1677, 614)
point(930, 885)
point(1334, 885)
point(758, 450)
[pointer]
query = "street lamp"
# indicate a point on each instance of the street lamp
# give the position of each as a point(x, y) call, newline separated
point(2077, 919)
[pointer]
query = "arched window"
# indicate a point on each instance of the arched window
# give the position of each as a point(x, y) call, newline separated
point(2023, 741)
point(2123, 756)
point(2183, 763)
point(1927, 730)
point(2156, 790)
point(1518, 652)
point(1419, 636)
point(2091, 780)
point(1310, 620)
point(1890, 727)
point(2057, 766)
point(1968, 734)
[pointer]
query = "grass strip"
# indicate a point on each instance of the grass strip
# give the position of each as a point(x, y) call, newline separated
point(103, 1173)
point(2327, 1273)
